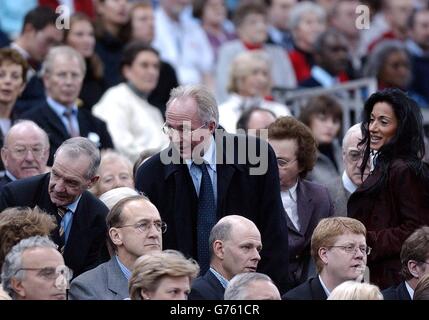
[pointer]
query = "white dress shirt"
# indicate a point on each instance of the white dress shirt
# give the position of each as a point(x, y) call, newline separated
point(289, 199)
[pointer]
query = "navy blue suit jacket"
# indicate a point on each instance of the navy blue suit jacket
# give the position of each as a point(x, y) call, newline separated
point(256, 197)
point(86, 245)
point(48, 120)
point(206, 287)
point(396, 293)
point(310, 290)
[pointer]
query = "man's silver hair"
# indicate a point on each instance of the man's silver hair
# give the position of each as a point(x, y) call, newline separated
point(206, 102)
point(299, 9)
point(65, 51)
point(349, 132)
point(237, 287)
point(29, 123)
point(75, 147)
point(13, 260)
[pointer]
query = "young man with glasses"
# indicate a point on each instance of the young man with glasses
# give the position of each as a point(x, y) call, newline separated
point(35, 270)
point(415, 264)
point(135, 228)
point(305, 202)
point(338, 246)
point(25, 152)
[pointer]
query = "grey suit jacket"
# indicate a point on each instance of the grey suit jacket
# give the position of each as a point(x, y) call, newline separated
point(105, 282)
point(339, 196)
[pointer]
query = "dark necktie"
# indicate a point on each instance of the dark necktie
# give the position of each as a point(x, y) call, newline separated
point(62, 240)
point(206, 218)
point(70, 127)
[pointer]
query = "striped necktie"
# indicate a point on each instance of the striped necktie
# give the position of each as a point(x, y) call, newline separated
point(61, 213)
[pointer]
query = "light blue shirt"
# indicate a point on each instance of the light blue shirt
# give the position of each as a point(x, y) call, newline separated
point(10, 175)
point(59, 109)
point(196, 174)
point(322, 76)
point(126, 272)
point(67, 220)
point(218, 276)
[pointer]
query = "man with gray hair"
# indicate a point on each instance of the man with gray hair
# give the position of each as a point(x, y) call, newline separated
point(235, 243)
point(81, 232)
point(340, 189)
point(35, 270)
point(206, 174)
point(252, 286)
point(22, 137)
point(63, 71)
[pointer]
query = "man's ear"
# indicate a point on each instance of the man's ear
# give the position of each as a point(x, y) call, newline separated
point(4, 156)
point(144, 294)
point(219, 249)
point(322, 252)
point(93, 181)
point(115, 236)
point(412, 266)
point(17, 287)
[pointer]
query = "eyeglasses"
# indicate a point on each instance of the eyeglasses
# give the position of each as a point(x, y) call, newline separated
point(352, 249)
point(21, 151)
point(283, 163)
point(144, 226)
point(50, 273)
point(185, 130)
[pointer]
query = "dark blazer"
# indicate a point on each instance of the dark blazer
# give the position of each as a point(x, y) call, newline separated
point(397, 293)
point(86, 247)
point(105, 282)
point(206, 287)
point(390, 216)
point(48, 120)
point(256, 197)
point(310, 290)
point(310, 83)
point(314, 204)
point(4, 181)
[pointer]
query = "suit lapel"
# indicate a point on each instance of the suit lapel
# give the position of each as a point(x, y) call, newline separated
point(305, 206)
point(317, 291)
point(224, 176)
point(84, 125)
point(55, 122)
point(116, 281)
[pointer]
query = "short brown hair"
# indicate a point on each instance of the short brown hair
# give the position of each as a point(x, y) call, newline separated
point(290, 128)
point(150, 268)
point(247, 8)
point(19, 223)
point(8, 55)
point(326, 232)
point(415, 247)
point(322, 104)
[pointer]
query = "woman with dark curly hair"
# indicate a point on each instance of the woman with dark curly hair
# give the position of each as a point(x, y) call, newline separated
point(394, 200)
point(305, 202)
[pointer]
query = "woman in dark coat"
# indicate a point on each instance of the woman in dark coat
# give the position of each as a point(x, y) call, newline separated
point(394, 200)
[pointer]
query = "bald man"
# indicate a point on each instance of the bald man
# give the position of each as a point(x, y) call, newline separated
point(235, 243)
point(25, 152)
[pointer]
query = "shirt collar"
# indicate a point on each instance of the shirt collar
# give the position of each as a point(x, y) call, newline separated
point(323, 286)
point(410, 290)
point(72, 206)
point(10, 175)
point(124, 269)
point(218, 276)
point(21, 50)
point(292, 191)
point(209, 156)
point(58, 108)
point(322, 76)
point(414, 48)
point(348, 183)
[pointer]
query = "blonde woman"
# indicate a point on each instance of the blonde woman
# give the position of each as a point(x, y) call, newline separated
point(165, 275)
point(353, 290)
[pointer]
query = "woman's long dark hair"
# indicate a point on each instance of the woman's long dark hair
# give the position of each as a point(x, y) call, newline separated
point(407, 143)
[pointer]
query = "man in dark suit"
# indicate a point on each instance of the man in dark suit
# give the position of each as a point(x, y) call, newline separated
point(415, 264)
point(203, 176)
point(135, 228)
point(338, 247)
point(63, 72)
point(235, 243)
point(305, 202)
point(81, 231)
point(19, 163)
